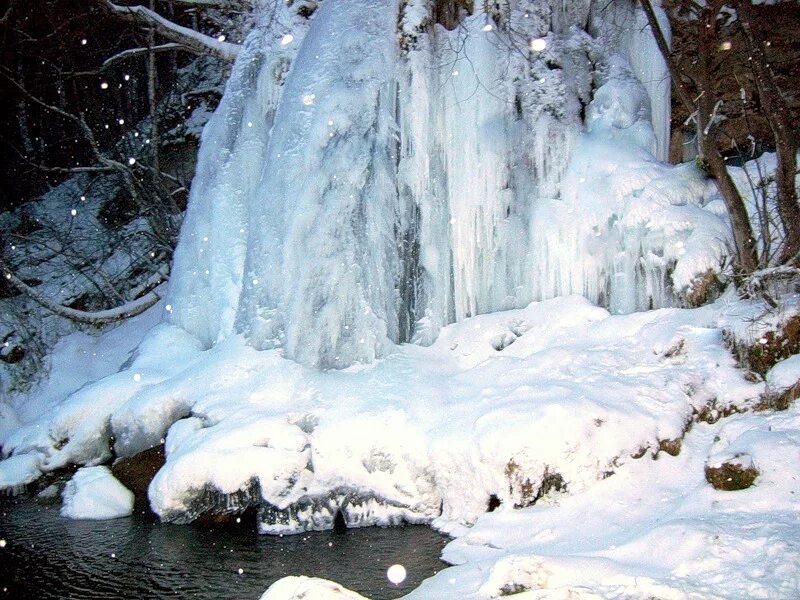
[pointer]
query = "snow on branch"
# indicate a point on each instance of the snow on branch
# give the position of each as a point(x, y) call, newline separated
point(129, 309)
point(190, 39)
point(138, 51)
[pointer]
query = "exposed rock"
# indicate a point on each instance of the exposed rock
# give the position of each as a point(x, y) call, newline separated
point(783, 385)
point(137, 471)
point(712, 412)
point(770, 348)
point(704, 289)
point(671, 447)
point(737, 473)
point(778, 399)
point(527, 492)
point(449, 13)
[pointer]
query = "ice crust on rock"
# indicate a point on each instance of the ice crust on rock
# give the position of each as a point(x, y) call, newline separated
point(94, 493)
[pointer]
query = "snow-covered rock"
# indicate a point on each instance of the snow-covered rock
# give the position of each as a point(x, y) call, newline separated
point(94, 493)
point(785, 374)
point(308, 588)
point(18, 471)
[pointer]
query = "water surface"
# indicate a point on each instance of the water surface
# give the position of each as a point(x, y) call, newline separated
point(47, 556)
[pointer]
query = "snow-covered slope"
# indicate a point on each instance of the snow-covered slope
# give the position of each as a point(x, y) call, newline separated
point(656, 529)
point(551, 414)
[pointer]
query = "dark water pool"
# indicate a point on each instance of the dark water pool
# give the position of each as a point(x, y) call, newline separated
point(47, 556)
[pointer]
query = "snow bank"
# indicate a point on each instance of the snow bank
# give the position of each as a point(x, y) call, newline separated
point(94, 493)
point(512, 405)
point(545, 408)
point(18, 471)
point(75, 428)
point(654, 529)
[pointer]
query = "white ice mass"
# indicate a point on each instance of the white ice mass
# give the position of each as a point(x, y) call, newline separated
point(436, 179)
point(94, 493)
point(502, 207)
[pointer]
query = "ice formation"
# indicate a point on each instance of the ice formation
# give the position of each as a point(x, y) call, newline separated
point(360, 186)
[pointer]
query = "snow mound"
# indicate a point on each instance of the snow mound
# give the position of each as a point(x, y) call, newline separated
point(18, 471)
point(308, 588)
point(94, 493)
point(655, 529)
point(785, 374)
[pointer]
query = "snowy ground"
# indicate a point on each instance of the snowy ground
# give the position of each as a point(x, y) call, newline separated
point(497, 406)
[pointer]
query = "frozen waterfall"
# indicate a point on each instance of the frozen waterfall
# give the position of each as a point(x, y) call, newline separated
point(378, 176)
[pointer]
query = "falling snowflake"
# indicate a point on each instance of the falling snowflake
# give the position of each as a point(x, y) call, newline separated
point(538, 44)
point(396, 574)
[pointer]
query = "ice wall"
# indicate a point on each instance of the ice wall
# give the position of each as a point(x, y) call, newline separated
point(209, 260)
point(399, 176)
point(651, 69)
point(322, 258)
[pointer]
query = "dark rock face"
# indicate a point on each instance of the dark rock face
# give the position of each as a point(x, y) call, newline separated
point(736, 474)
point(137, 471)
point(449, 13)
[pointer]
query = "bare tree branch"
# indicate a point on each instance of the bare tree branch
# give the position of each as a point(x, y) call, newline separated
point(130, 309)
point(206, 3)
point(7, 14)
point(189, 38)
point(133, 52)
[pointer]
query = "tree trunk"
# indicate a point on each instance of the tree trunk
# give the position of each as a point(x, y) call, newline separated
point(747, 255)
point(703, 106)
point(151, 93)
point(779, 116)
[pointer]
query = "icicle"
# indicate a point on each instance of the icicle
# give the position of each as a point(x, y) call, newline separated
point(651, 69)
